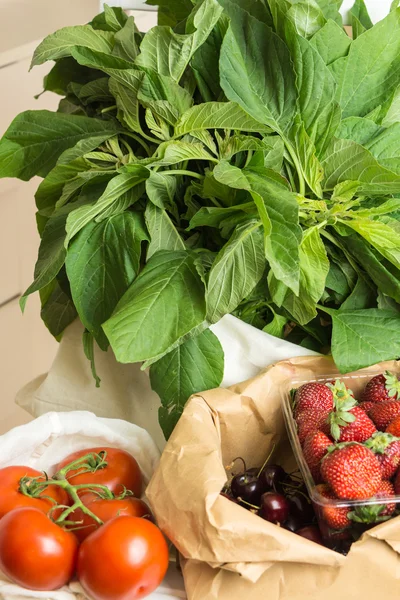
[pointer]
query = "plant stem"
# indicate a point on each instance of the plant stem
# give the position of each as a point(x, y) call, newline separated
point(183, 172)
point(108, 109)
point(293, 156)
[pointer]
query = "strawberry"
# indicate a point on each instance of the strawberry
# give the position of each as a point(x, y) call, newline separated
point(317, 396)
point(334, 516)
point(366, 406)
point(314, 449)
point(394, 427)
point(376, 513)
point(309, 421)
point(383, 413)
point(382, 388)
point(386, 447)
point(352, 471)
point(397, 483)
point(352, 425)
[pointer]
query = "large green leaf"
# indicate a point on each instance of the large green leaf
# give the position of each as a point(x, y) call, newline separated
point(60, 43)
point(216, 115)
point(361, 338)
point(163, 233)
point(126, 97)
point(58, 311)
point(118, 187)
point(307, 18)
point(314, 268)
point(237, 269)
point(208, 54)
point(35, 140)
point(172, 12)
point(169, 53)
point(380, 235)
point(331, 42)
point(372, 68)
point(94, 59)
point(102, 262)
point(125, 41)
point(212, 216)
point(195, 366)
point(256, 70)
point(164, 304)
point(161, 189)
point(358, 129)
point(392, 113)
point(279, 212)
point(319, 112)
point(346, 160)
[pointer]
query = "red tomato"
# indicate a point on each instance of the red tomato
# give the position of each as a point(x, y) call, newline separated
point(35, 552)
point(106, 510)
point(121, 470)
point(11, 497)
point(127, 558)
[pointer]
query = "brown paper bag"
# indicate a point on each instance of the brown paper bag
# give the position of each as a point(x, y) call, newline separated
point(229, 553)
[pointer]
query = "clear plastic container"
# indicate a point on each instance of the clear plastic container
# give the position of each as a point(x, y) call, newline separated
point(336, 539)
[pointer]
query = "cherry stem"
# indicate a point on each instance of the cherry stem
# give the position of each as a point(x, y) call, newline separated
point(233, 462)
point(266, 461)
point(249, 504)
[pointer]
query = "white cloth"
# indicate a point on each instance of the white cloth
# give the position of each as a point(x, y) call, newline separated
point(45, 441)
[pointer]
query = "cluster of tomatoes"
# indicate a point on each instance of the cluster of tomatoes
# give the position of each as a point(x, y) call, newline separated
point(86, 521)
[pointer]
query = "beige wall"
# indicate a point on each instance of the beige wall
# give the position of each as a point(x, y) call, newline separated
point(26, 347)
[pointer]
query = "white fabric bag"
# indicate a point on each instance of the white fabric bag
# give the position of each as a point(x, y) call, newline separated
point(125, 391)
point(44, 442)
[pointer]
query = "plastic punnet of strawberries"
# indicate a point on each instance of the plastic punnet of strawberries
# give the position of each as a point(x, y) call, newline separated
point(352, 449)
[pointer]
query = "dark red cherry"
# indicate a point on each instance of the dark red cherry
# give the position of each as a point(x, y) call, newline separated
point(293, 523)
point(272, 477)
point(312, 533)
point(301, 507)
point(246, 486)
point(274, 507)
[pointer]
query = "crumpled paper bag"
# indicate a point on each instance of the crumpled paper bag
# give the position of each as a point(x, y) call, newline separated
point(125, 391)
point(229, 553)
point(42, 444)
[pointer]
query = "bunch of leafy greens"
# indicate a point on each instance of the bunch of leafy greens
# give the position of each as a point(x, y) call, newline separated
point(240, 158)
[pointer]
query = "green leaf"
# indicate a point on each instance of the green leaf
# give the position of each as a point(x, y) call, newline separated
point(319, 112)
point(314, 268)
point(172, 12)
point(125, 42)
point(35, 140)
point(372, 70)
point(386, 148)
point(161, 189)
point(168, 285)
point(279, 212)
point(169, 53)
point(361, 338)
point(362, 296)
point(193, 367)
point(102, 262)
point(58, 311)
point(249, 76)
point(171, 153)
point(216, 115)
point(330, 9)
point(331, 42)
point(393, 109)
point(60, 44)
point(156, 87)
point(383, 274)
point(276, 326)
point(117, 188)
point(95, 91)
point(307, 18)
point(310, 166)
point(381, 236)
point(163, 233)
point(94, 59)
point(65, 71)
point(358, 129)
point(114, 17)
point(360, 19)
point(347, 161)
point(237, 269)
point(88, 348)
point(208, 54)
point(126, 97)
point(215, 217)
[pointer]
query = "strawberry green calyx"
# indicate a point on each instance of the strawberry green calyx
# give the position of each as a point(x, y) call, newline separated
point(343, 397)
point(392, 384)
point(337, 419)
point(340, 446)
point(380, 441)
point(368, 514)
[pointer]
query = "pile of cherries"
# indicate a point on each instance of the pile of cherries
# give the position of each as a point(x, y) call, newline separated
point(276, 496)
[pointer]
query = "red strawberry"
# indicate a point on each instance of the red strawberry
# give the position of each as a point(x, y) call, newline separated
point(366, 406)
point(334, 516)
point(394, 427)
point(314, 449)
point(352, 471)
point(386, 447)
point(376, 513)
point(382, 388)
point(317, 396)
point(309, 421)
point(352, 425)
point(397, 483)
point(383, 413)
